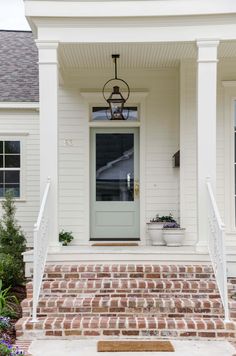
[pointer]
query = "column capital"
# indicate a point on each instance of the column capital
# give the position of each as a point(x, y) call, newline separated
point(207, 42)
point(48, 51)
point(207, 50)
point(46, 44)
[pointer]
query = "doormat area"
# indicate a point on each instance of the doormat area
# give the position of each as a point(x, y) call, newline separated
point(115, 244)
point(135, 346)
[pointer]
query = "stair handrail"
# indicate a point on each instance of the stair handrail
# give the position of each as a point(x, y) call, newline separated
point(41, 234)
point(216, 246)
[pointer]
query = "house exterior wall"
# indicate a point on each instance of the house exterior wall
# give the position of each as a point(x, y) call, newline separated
point(24, 125)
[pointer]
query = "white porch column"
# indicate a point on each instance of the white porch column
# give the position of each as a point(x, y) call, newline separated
point(48, 93)
point(206, 130)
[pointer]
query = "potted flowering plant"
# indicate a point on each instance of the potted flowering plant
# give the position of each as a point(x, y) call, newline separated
point(173, 234)
point(155, 227)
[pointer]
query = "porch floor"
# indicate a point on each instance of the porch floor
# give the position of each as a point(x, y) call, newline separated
point(88, 348)
point(75, 254)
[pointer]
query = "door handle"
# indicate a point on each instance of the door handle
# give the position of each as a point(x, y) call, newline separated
point(136, 188)
point(128, 180)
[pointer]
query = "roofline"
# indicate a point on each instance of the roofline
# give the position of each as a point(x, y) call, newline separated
point(1, 30)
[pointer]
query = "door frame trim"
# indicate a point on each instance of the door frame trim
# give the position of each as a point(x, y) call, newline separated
point(136, 98)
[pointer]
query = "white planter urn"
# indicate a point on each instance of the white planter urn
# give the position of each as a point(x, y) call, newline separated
point(173, 237)
point(155, 231)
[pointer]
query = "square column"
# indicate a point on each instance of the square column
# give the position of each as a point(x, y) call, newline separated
point(206, 131)
point(48, 94)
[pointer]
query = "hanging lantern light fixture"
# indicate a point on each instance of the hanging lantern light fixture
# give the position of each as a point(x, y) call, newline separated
point(116, 99)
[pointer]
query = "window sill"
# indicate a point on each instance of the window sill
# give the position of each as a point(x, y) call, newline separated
point(17, 200)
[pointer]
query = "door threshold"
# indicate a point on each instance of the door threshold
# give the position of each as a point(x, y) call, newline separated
point(115, 244)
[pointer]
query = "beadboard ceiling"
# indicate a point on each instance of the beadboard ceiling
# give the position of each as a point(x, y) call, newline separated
point(146, 55)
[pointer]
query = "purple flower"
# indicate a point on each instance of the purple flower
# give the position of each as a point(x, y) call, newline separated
point(171, 225)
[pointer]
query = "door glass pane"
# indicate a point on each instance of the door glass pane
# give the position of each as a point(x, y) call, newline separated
point(114, 167)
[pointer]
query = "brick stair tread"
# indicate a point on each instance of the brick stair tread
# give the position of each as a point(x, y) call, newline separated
point(129, 268)
point(133, 283)
point(131, 302)
point(110, 322)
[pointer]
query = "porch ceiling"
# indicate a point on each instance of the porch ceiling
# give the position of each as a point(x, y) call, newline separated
point(134, 55)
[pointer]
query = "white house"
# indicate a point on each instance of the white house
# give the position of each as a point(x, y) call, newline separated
point(108, 178)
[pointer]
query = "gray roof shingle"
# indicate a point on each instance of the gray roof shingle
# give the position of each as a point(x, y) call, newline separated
point(18, 67)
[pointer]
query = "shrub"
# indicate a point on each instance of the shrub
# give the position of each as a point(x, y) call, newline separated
point(11, 271)
point(4, 323)
point(8, 302)
point(12, 245)
point(65, 237)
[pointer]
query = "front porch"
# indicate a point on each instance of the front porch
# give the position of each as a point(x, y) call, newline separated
point(172, 116)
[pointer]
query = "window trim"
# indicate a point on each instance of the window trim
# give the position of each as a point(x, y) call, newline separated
point(21, 138)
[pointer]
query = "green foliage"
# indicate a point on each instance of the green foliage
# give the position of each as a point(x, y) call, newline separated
point(7, 301)
point(12, 245)
point(5, 323)
point(7, 349)
point(65, 237)
point(11, 271)
point(167, 218)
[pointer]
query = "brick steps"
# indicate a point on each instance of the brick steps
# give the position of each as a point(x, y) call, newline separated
point(60, 306)
point(128, 271)
point(128, 301)
point(125, 285)
point(76, 326)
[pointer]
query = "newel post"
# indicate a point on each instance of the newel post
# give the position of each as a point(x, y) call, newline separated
point(206, 131)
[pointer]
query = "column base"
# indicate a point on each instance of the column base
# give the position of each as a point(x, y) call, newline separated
point(201, 246)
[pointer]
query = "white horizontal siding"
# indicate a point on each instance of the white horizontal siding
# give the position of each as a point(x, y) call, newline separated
point(73, 125)
point(26, 121)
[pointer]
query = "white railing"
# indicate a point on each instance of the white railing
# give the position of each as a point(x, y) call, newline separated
point(41, 234)
point(216, 244)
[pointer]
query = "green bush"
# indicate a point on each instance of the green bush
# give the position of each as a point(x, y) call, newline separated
point(11, 271)
point(8, 302)
point(12, 245)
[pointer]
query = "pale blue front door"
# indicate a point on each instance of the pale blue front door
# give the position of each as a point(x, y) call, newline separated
point(114, 202)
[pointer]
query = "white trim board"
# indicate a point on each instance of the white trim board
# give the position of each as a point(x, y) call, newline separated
point(19, 105)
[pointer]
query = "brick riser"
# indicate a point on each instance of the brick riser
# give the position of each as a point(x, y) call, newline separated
point(128, 327)
point(127, 301)
point(58, 306)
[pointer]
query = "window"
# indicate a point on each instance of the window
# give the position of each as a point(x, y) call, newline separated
point(100, 113)
point(10, 167)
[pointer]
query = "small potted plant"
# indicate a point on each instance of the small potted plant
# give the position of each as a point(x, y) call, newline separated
point(65, 237)
point(173, 234)
point(155, 227)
